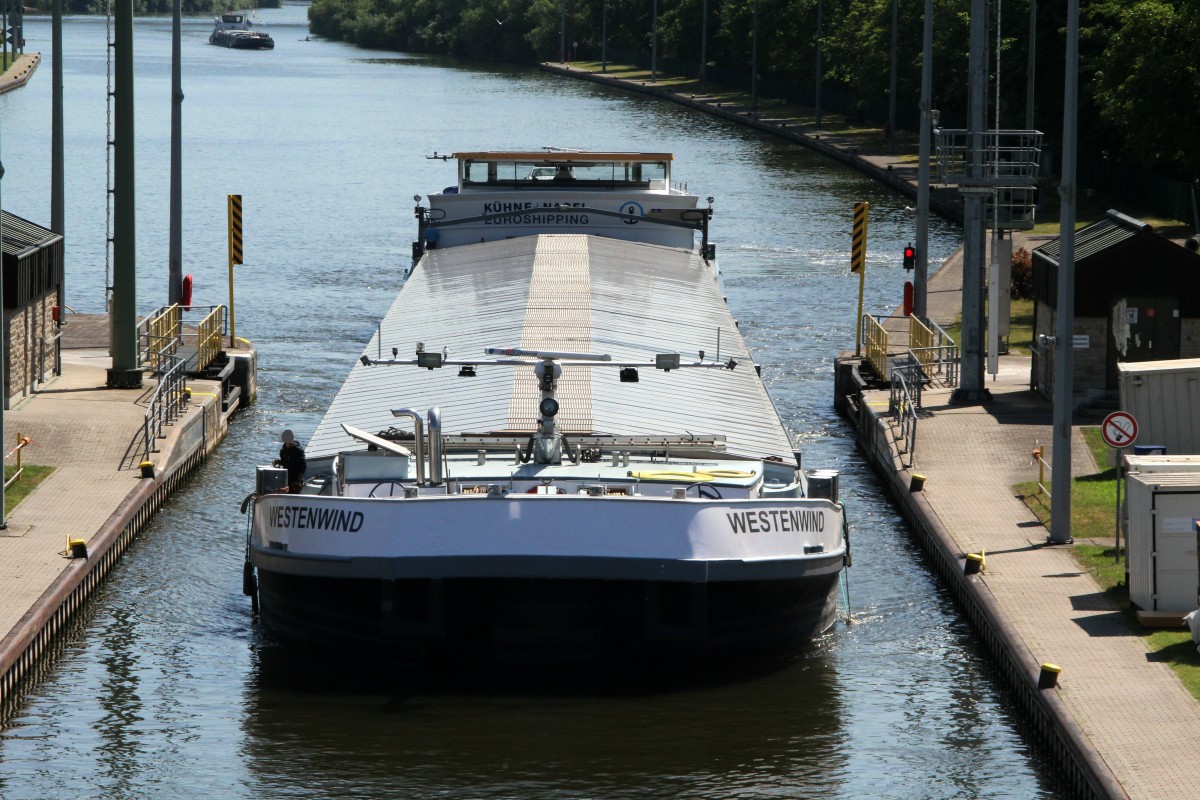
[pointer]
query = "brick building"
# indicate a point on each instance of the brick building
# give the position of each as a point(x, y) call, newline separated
point(32, 260)
point(1137, 298)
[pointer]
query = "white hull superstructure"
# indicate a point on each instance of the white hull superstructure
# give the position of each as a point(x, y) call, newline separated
point(556, 448)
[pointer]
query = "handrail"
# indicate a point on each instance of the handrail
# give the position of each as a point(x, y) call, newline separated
point(167, 331)
point(162, 337)
point(168, 403)
point(876, 338)
point(22, 443)
point(934, 349)
point(1042, 467)
point(921, 340)
point(903, 409)
point(209, 338)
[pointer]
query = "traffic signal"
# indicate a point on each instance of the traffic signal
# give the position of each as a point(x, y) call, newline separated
point(910, 257)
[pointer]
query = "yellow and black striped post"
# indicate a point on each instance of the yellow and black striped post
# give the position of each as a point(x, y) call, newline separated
point(235, 251)
point(858, 263)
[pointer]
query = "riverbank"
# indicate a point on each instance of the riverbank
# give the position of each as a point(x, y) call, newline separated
point(832, 139)
point(19, 72)
point(100, 493)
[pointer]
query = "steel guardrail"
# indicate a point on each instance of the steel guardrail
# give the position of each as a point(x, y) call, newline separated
point(875, 338)
point(210, 333)
point(159, 338)
point(903, 408)
point(167, 404)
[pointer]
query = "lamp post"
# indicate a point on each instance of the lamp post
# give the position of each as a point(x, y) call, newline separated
point(604, 39)
point(175, 238)
point(921, 274)
point(703, 45)
point(1064, 370)
point(654, 43)
point(754, 59)
point(891, 137)
point(820, 66)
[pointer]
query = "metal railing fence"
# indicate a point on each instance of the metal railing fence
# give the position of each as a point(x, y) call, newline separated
point(159, 338)
point(22, 443)
point(210, 332)
point(167, 404)
point(902, 405)
point(875, 338)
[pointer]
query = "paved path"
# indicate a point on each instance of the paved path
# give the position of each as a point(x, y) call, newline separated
point(92, 436)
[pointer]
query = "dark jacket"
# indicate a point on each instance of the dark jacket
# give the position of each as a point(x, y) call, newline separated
point(291, 457)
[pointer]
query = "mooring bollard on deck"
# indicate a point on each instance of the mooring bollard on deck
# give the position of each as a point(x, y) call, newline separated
point(917, 483)
point(973, 564)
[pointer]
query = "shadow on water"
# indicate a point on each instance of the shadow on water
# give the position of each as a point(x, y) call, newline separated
point(511, 735)
point(288, 667)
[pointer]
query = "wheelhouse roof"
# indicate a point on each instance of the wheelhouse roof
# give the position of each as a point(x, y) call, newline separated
point(554, 156)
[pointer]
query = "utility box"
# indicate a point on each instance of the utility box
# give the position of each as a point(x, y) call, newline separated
point(1162, 509)
point(1164, 398)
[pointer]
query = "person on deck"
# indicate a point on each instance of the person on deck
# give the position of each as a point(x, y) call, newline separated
point(291, 458)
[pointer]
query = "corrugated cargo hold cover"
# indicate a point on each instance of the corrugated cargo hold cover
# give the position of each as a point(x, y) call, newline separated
point(567, 293)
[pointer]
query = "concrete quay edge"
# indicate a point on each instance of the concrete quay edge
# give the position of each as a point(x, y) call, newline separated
point(186, 446)
point(1084, 769)
point(19, 72)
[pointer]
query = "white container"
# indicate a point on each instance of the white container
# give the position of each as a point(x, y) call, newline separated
point(1164, 398)
point(1163, 508)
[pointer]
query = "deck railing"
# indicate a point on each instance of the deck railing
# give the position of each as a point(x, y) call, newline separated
point(876, 339)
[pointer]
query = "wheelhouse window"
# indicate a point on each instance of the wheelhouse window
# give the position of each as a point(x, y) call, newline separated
point(565, 172)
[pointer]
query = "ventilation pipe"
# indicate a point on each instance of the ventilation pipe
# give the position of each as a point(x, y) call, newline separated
point(434, 418)
point(418, 442)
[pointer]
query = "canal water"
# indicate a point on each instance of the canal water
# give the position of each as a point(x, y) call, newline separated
point(166, 688)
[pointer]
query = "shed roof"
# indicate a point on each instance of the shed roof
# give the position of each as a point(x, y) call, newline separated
point(571, 293)
point(1114, 229)
point(20, 236)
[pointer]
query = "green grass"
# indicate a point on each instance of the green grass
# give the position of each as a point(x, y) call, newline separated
point(1093, 516)
point(1020, 327)
point(31, 476)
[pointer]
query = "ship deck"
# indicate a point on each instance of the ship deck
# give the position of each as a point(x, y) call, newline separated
point(566, 293)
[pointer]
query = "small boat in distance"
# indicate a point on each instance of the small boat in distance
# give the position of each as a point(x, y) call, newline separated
point(234, 29)
point(600, 480)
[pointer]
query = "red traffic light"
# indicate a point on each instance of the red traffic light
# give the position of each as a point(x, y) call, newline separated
point(910, 257)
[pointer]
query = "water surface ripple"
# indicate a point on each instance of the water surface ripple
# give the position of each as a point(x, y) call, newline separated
point(165, 688)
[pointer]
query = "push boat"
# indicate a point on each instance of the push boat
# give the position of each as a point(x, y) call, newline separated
point(235, 30)
point(575, 460)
